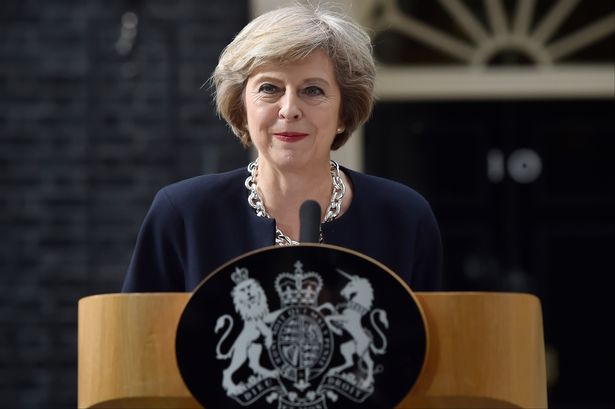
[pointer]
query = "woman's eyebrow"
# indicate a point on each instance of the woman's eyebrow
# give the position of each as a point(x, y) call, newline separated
point(317, 79)
point(266, 77)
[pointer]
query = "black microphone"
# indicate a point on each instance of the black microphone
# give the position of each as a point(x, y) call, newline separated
point(309, 217)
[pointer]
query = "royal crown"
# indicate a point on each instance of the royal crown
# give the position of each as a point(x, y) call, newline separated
point(239, 275)
point(298, 288)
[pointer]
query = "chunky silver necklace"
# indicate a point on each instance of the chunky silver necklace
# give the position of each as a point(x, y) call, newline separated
point(333, 210)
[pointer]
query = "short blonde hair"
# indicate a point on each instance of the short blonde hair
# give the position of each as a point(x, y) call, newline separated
point(289, 34)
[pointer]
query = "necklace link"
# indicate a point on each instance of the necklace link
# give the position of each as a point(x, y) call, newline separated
point(339, 190)
point(333, 210)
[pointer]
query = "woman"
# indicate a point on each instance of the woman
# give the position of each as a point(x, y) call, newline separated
point(295, 83)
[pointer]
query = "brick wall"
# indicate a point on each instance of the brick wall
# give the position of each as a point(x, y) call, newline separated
point(95, 116)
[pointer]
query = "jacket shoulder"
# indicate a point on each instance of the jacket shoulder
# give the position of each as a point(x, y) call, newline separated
point(387, 192)
point(200, 190)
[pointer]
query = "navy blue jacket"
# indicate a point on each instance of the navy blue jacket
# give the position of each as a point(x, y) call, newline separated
point(196, 225)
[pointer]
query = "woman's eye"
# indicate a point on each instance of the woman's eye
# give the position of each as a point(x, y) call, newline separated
point(313, 91)
point(268, 89)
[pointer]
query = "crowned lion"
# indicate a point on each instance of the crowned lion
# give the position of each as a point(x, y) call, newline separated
point(251, 303)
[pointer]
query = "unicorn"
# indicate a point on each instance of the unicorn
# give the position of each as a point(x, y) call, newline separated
point(360, 296)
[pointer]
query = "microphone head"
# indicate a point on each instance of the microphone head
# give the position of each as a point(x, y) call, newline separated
point(309, 217)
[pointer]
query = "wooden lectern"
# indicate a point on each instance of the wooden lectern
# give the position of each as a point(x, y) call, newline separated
point(485, 350)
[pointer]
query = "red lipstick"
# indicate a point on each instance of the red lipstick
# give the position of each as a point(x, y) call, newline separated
point(290, 136)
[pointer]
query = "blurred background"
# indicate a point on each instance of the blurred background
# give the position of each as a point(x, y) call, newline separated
point(501, 113)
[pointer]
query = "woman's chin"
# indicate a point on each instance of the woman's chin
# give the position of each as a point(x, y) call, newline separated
point(290, 159)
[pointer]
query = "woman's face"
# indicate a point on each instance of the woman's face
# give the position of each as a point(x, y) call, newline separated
point(293, 112)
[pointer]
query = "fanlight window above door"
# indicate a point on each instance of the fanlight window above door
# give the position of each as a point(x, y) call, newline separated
point(492, 48)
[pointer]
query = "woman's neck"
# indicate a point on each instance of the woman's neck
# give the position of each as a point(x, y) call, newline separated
point(283, 192)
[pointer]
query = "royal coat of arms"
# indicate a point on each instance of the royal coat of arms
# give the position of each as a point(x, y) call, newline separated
point(303, 354)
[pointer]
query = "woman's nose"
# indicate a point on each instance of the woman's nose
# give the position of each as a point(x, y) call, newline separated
point(289, 107)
